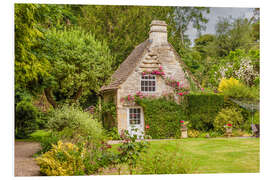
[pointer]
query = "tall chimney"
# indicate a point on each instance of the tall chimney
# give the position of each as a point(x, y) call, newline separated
point(158, 32)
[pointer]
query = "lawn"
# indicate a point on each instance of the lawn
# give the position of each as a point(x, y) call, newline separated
point(200, 155)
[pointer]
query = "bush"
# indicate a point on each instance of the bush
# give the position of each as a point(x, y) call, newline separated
point(227, 83)
point(193, 133)
point(39, 134)
point(26, 117)
point(232, 88)
point(73, 124)
point(113, 134)
point(163, 117)
point(46, 142)
point(202, 108)
point(64, 159)
point(228, 116)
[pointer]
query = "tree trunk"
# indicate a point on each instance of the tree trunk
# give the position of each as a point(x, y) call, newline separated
point(78, 94)
point(48, 94)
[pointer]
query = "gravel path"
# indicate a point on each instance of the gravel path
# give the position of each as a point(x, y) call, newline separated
point(25, 164)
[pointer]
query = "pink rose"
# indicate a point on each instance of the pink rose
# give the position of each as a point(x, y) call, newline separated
point(181, 94)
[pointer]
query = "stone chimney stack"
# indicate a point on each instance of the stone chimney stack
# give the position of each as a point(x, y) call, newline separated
point(158, 32)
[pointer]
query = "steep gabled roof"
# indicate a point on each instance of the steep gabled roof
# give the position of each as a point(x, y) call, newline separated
point(185, 67)
point(126, 68)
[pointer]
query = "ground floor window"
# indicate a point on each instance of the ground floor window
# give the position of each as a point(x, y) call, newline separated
point(134, 116)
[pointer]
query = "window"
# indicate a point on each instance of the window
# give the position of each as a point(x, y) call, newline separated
point(148, 83)
point(134, 116)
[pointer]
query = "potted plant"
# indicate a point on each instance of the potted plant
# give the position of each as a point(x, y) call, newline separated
point(228, 129)
point(184, 133)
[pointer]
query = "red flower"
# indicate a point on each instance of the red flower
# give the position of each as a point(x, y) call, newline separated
point(229, 125)
point(178, 84)
point(160, 68)
point(180, 94)
point(147, 127)
point(182, 121)
point(202, 89)
point(162, 73)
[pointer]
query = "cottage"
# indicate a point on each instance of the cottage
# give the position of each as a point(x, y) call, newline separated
point(155, 54)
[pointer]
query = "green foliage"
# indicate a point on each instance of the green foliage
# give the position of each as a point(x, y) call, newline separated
point(202, 109)
point(232, 88)
point(241, 91)
point(233, 34)
point(78, 62)
point(113, 134)
point(118, 25)
point(228, 116)
point(39, 134)
point(64, 159)
point(74, 124)
point(28, 67)
point(26, 115)
point(202, 43)
point(108, 113)
point(163, 117)
point(47, 140)
point(130, 150)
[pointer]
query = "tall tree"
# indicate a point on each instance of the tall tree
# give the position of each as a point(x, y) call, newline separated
point(79, 64)
point(232, 34)
point(186, 16)
point(123, 27)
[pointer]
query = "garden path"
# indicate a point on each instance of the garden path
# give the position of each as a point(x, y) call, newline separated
point(25, 164)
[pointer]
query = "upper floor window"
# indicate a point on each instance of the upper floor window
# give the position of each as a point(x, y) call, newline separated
point(148, 83)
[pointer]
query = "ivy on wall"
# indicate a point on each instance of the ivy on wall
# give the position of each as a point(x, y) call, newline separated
point(108, 112)
point(162, 117)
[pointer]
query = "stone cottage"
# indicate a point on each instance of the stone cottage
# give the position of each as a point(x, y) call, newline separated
point(155, 53)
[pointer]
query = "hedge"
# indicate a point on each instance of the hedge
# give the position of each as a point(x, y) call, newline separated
point(202, 108)
point(163, 117)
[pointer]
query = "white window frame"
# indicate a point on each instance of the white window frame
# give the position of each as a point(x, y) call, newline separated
point(140, 115)
point(148, 80)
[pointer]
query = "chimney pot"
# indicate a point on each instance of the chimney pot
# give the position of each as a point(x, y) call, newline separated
point(158, 32)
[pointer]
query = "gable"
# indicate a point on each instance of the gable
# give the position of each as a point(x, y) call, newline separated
point(126, 68)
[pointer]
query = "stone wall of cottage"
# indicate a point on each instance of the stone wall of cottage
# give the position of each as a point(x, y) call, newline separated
point(153, 58)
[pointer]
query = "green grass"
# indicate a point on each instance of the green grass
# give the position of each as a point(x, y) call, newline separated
point(217, 155)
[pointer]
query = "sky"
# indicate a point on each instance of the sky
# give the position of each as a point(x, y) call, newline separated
point(214, 15)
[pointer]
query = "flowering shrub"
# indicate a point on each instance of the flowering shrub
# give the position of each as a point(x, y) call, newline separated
point(241, 65)
point(130, 150)
point(227, 118)
point(234, 89)
point(183, 123)
point(138, 95)
point(227, 83)
point(159, 72)
point(64, 159)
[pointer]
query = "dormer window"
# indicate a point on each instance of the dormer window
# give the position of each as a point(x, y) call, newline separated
point(148, 83)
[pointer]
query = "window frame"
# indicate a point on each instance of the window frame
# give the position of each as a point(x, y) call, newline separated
point(148, 80)
point(131, 118)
